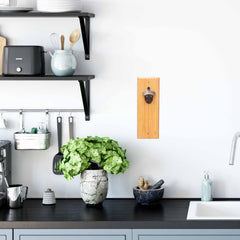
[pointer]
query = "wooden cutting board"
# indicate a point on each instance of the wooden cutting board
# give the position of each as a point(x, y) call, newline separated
point(3, 43)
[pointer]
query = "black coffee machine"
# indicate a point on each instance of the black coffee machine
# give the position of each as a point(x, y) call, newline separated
point(5, 169)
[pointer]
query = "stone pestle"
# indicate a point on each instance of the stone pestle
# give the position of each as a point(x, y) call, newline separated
point(158, 184)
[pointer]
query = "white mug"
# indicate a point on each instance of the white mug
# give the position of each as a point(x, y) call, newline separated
point(16, 194)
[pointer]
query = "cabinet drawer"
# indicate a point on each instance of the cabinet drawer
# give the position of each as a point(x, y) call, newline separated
point(188, 237)
point(71, 234)
point(70, 237)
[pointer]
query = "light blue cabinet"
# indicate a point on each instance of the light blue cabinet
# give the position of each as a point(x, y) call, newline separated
point(123, 234)
point(72, 234)
point(6, 234)
point(165, 234)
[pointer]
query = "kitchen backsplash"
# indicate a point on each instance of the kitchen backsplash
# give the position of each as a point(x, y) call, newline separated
point(196, 55)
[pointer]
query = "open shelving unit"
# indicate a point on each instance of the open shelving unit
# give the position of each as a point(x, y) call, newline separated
point(84, 20)
point(83, 80)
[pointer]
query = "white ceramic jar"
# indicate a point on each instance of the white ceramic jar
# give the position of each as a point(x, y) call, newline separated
point(58, 5)
point(49, 197)
point(63, 63)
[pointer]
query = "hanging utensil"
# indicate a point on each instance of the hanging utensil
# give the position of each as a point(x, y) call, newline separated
point(59, 156)
point(74, 37)
point(70, 121)
point(62, 42)
point(54, 38)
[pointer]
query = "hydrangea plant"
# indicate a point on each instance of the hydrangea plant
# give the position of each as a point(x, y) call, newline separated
point(92, 153)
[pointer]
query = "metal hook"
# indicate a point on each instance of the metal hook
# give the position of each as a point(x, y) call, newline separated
point(148, 95)
point(21, 120)
point(47, 120)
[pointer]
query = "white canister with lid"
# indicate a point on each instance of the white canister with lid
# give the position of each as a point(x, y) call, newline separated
point(49, 197)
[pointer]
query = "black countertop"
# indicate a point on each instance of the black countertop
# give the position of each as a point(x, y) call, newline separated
point(114, 213)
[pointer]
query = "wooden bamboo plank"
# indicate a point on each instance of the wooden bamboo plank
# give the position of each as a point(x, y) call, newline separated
point(148, 114)
point(3, 43)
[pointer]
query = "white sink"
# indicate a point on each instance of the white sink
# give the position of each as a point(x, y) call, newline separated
point(219, 210)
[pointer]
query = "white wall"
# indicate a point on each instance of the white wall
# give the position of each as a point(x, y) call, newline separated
point(193, 46)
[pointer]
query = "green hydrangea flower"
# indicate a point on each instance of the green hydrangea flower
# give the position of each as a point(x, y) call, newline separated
point(87, 153)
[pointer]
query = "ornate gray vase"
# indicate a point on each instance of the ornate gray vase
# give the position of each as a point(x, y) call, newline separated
point(94, 186)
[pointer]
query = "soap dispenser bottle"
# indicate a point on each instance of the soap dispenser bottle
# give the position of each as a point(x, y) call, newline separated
point(206, 188)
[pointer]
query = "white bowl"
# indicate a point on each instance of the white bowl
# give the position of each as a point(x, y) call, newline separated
point(58, 5)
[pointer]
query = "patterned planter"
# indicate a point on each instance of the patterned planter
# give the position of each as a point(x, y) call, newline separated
point(94, 186)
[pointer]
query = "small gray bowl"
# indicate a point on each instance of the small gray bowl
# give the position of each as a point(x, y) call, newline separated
point(147, 197)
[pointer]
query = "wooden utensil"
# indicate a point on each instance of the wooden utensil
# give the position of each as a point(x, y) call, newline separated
point(74, 37)
point(62, 42)
point(59, 156)
point(3, 43)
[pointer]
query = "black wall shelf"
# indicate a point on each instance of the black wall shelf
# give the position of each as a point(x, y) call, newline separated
point(47, 14)
point(84, 20)
point(83, 80)
point(47, 78)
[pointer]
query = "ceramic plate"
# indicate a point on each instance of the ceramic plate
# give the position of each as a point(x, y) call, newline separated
point(15, 9)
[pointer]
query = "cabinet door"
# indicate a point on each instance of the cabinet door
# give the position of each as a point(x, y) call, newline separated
point(190, 237)
point(5, 234)
point(164, 234)
point(72, 234)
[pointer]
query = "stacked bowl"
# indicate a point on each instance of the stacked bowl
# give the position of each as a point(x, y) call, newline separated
point(58, 5)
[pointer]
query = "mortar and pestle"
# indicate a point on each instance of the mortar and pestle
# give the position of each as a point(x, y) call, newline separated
point(152, 195)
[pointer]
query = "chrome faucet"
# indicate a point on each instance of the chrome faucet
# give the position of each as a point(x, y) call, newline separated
point(233, 149)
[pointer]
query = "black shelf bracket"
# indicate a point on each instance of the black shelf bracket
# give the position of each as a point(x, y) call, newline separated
point(85, 91)
point(85, 28)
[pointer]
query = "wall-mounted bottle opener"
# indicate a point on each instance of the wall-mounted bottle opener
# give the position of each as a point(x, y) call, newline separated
point(148, 95)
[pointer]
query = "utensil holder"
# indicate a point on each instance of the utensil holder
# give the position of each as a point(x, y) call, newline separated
point(28, 141)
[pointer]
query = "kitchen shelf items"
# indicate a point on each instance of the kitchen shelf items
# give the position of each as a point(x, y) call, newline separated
point(84, 19)
point(84, 80)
